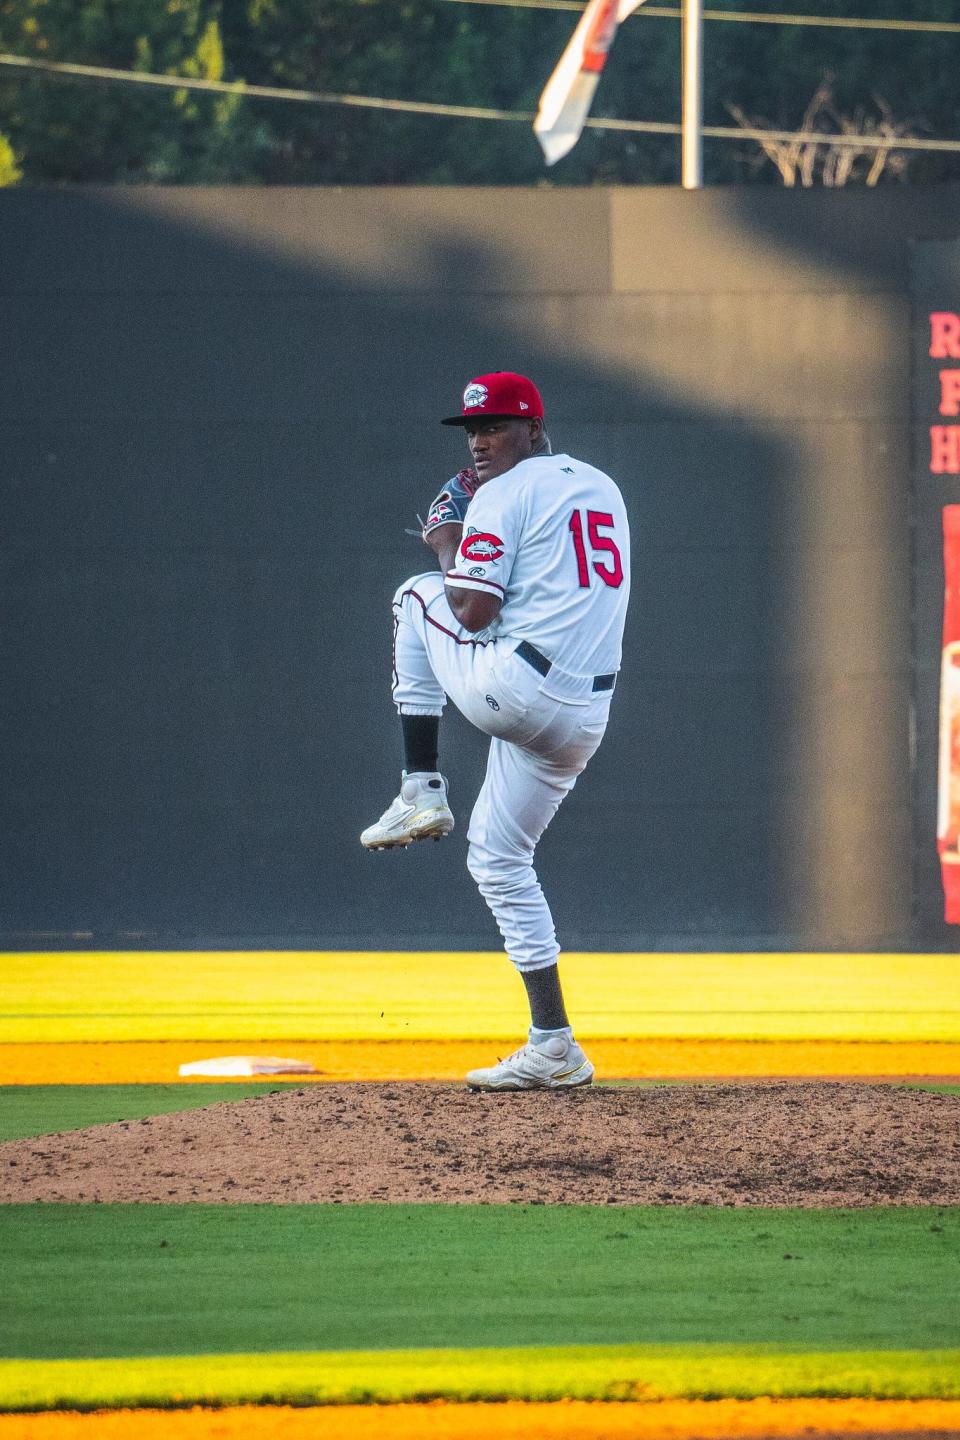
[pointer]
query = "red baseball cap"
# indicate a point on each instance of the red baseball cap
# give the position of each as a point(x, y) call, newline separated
point(500, 394)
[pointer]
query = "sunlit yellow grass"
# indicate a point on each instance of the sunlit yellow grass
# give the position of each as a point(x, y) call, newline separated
point(464, 995)
point(597, 1372)
point(134, 1062)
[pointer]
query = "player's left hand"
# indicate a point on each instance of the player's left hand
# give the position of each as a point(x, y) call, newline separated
point(449, 508)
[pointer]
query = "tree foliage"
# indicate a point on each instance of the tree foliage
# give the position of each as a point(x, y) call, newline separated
point(80, 130)
point(9, 171)
point(67, 130)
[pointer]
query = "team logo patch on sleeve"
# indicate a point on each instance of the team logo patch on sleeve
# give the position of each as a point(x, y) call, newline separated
point(481, 545)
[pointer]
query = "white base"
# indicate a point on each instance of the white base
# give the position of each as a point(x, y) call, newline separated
point(248, 1065)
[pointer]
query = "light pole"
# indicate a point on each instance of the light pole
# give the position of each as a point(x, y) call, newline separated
point(691, 170)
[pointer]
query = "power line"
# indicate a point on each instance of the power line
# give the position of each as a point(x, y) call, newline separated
point(746, 17)
point(460, 112)
point(259, 92)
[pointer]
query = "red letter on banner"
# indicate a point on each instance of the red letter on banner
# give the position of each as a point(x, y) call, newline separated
point(945, 335)
point(950, 392)
point(945, 449)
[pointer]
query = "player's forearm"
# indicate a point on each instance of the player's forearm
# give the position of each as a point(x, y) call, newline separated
point(445, 542)
point(448, 557)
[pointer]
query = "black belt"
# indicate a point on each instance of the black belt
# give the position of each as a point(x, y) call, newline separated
point(532, 655)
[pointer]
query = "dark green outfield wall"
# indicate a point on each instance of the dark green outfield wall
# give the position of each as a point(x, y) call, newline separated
point(217, 415)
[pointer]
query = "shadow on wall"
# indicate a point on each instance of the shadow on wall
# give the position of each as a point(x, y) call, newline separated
point(222, 413)
point(893, 257)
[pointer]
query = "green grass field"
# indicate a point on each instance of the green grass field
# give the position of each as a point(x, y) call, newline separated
point(128, 1304)
point(126, 1280)
point(49, 1109)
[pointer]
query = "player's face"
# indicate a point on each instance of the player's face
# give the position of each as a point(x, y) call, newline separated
point(498, 445)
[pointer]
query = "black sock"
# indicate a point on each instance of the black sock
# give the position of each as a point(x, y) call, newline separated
point(421, 741)
point(547, 1010)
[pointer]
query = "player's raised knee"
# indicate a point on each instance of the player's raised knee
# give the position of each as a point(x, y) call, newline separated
point(427, 586)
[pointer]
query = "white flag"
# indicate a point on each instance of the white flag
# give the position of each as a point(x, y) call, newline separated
point(568, 94)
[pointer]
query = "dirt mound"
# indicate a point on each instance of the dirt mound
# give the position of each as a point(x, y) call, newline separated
point(723, 1144)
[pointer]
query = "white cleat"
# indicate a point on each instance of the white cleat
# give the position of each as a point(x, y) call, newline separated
point(420, 812)
point(556, 1064)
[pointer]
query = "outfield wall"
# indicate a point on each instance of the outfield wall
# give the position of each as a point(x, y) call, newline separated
point(219, 413)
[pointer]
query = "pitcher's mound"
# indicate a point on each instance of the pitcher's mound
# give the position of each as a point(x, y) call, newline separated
point(719, 1144)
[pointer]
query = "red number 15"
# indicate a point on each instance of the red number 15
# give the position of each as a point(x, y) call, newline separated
point(611, 574)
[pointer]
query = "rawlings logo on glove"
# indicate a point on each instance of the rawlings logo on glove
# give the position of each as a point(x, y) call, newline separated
point(450, 506)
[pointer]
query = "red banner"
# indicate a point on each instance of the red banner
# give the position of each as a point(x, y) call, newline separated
point(948, 808)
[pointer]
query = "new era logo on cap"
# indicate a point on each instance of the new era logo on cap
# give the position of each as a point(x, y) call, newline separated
point(501, 393)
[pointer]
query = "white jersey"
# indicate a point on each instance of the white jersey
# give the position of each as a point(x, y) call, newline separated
point(550, 538)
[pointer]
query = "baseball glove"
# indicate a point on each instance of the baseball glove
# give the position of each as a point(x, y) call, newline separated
point(450, 506)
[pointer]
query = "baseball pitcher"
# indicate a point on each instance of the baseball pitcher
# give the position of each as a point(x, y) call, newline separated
point(521, 627)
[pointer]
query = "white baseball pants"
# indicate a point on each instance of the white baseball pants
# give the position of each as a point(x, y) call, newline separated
point(539, 745)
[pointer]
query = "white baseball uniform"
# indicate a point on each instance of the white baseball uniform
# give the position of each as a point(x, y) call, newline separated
point(550, 537)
